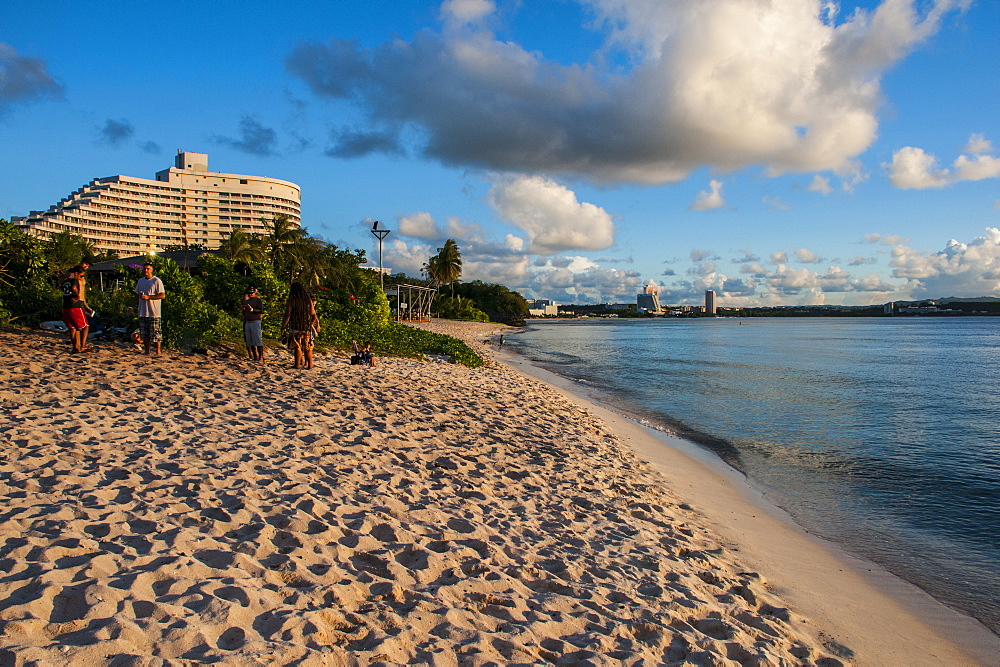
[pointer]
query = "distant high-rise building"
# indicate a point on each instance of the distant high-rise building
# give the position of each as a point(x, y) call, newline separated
point(649, 300)
point(710, 301)
point(186, 205)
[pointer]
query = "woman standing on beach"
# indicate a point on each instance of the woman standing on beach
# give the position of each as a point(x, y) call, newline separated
point(301, 324)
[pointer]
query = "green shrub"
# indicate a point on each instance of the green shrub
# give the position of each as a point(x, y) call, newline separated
point(393, 339)
point(224, 288)
point(459, 308)
point(31, 303)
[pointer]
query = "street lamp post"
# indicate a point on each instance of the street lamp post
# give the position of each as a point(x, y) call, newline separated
point(381, 234)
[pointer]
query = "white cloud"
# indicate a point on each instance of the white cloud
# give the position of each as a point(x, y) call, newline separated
point(976, 168)
point(709, 199)
point(515, 243)
point(775, 203)
point(807, 256)
point(960, 269)
point(459, 229)
point(722, 83)
point(419, 225)
point(403, 257)
point(754, 269)
point(779, 257)
point(978, 145)
point(912, 168)
point(890, 240)
point(820, 184)
point(466, 11)
point(551, 215)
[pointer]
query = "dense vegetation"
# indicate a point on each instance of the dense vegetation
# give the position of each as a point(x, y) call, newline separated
point(498, 302)
point(202, 307)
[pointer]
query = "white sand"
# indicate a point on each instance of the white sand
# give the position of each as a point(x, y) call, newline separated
point(156, 511)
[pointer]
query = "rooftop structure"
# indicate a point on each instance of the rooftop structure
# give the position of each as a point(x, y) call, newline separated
point(185, 205)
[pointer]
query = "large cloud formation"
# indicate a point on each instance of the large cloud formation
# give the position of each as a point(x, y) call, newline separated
point(551, 215)
point(24, 80)
point(787, 84)
point(960, 269)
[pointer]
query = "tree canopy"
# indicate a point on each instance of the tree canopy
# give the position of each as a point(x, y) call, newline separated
point(446, 266)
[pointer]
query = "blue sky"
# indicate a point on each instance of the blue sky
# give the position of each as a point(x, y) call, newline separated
point(780, 152)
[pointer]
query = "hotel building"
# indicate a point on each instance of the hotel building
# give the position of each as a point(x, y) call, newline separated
point(186, 205)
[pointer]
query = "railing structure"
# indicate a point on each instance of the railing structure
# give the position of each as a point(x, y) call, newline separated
point(410, 303)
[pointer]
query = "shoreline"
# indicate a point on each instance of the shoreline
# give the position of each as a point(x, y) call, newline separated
point(881, 613)
point(191, 508)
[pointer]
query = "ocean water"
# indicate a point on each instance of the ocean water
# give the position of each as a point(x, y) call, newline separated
point(880, 434)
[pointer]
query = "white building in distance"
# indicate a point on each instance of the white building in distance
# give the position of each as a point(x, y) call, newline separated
point(186, 205)
point(543, 308)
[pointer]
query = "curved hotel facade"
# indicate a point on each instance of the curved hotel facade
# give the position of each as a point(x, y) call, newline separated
point(187, 204)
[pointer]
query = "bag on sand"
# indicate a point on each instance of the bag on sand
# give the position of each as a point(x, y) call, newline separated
point(355, 360)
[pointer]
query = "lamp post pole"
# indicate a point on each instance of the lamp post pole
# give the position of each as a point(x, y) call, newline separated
point(380, 234)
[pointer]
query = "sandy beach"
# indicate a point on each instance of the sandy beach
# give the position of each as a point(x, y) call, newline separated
point(207, 509)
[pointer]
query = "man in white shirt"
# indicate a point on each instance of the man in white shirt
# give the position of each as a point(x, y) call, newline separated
point(149, 291)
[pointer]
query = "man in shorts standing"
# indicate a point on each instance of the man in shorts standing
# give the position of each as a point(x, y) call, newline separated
point(149, 291)
point(73, 308)
point(253, 312)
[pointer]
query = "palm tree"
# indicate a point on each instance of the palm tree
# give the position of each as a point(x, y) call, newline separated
point(282, 235)
point(243, 247)
point(446, 266)
point(308, 261)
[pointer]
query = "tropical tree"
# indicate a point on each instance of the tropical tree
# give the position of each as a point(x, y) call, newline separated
point(307, 261)
point(21, 255)
point(445, 267)
point(65, 250)
point(342, 268)
point(497, 301)
point(26, 295)
point(243, 247)
point(282, 238)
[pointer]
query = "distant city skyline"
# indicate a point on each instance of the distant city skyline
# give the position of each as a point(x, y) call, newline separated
point(779, 153)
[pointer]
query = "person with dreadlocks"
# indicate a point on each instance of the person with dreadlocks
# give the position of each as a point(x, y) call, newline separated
point(301, 324)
